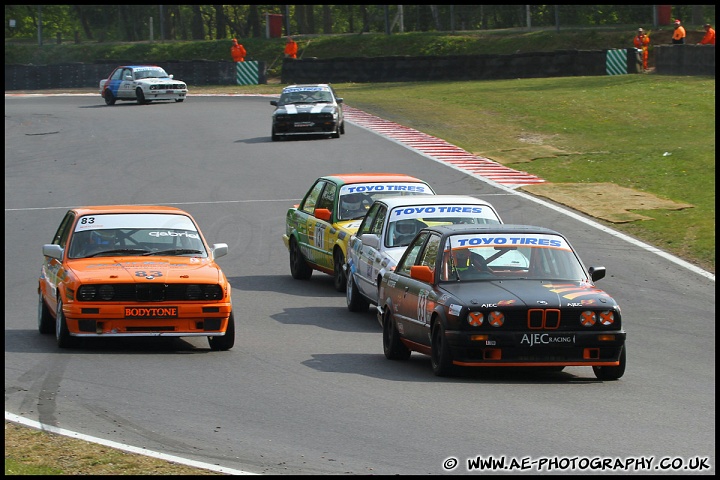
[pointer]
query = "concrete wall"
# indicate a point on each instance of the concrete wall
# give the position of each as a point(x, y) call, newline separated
point(669, 60)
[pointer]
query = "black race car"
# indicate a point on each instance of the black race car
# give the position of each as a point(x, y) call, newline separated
point(308, 110)
point(499, 296)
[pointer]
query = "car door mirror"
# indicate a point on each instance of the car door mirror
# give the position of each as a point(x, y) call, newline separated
point(371, 240)
point(219, 250)
point(596, 273)
point(53, 251)
point(421, 273)
point(273, 102)
point(323, 214)
point(128, 78)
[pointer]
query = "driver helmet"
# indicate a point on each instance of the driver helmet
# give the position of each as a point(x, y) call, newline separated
point(352, 205)
point(405, 227)
point(102, 237)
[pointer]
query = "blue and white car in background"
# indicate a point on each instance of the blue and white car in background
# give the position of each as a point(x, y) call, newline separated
point(142, 84)
point(387, 229)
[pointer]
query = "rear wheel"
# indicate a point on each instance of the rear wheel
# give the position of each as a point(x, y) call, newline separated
point(45, 319)
point(339, 273)
point(611, 373)
point(299, 269)
point(227, 341)
point(393, 348)
point(440, 352)
point(355, 301)
point(109, 98)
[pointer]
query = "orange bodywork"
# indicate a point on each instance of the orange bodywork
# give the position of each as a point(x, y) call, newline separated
point(136, 294)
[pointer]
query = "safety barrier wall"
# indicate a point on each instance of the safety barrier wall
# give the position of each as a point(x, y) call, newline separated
point(669, 60)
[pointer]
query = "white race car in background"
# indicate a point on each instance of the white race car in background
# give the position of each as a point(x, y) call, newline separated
point(390, 225)
point(143, 84)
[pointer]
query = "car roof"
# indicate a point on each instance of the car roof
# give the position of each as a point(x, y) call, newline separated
point(307, 85)
point(395, 201)
point(492, 228)
point(100, 209)
point(371, 177)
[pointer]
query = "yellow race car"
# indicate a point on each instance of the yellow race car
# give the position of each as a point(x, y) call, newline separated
point(317, 231)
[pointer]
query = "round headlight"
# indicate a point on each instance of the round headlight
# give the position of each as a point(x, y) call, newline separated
point(588, 318)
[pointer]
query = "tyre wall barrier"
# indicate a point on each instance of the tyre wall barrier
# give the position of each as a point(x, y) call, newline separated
point(669, 60)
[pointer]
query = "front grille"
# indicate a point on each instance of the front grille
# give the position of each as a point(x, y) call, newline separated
point(156, 292)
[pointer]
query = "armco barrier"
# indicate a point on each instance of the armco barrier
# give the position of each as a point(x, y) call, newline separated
point(669, 60)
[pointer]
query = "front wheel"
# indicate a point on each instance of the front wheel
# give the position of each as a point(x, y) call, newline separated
point(62, 333)
point(440, 357)
point(45, 320)
point(299, 269)
point(179, 100)
point(611, 373)
point(227, 341)
point(340, 280)
point(140, 96)
point(355, 301)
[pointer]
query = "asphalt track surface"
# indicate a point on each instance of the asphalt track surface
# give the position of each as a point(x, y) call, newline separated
point(307, 390)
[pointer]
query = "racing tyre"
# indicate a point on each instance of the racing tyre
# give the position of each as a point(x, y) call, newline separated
point(340, 280)
point(299, 269)
point(336, 133)
point(355, 301)
point(440, 357)
point(62, 333)
point(45, 321)
point(179, 100)
point(140, 96)
point(342, 128)
point(611, 373)
point(109, 98)
point(393, 348)
point(227, 341)
point(274, 136)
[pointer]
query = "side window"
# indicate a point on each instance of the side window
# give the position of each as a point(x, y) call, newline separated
point(327, 199)
point(430, 253)
point(368, 222)
point(117, 75)
point(411, 255)
point(377, 225)
point(308, 205)
point(63, 231)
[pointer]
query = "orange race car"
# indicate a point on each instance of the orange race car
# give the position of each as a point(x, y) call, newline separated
point(133, 271)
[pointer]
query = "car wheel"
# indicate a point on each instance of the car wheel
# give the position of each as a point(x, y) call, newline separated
point(179, 100)
point(336, 133)
point(140, 96)
point(62, 333)
point(342, 128)
point(393, 348)
point(109, 98)
point(611, 373)
point(274, 136)
point(440, 357)
point(340, 280)
point(227, 341)
point(299, 269)
point(355, 301)
point(45, 319)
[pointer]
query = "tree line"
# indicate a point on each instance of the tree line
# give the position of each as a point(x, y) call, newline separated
point(130, 23)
